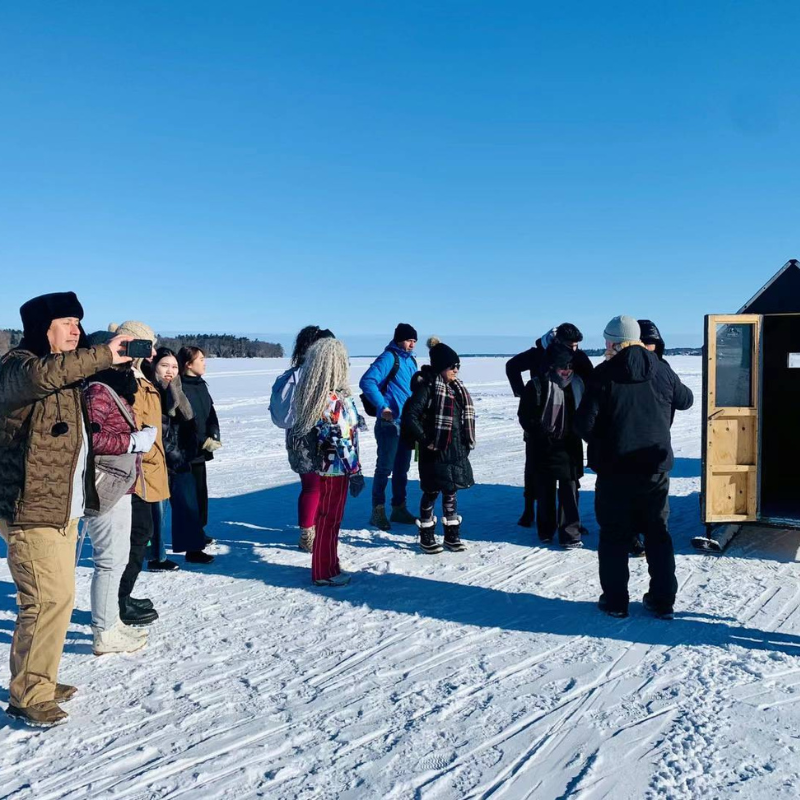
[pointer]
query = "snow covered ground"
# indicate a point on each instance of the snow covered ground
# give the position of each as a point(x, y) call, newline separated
point(485, 673)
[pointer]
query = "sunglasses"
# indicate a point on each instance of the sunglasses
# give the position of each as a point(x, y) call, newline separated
point(456, 367)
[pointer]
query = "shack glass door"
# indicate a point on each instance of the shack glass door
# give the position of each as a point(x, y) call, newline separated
point(730, 443)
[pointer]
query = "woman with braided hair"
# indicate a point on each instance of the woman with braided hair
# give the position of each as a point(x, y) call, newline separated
point(326, 428)
point(440, 418)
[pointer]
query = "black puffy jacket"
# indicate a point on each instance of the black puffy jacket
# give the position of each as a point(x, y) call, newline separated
point(205, 415)
point(627, 412)
point(439, 470)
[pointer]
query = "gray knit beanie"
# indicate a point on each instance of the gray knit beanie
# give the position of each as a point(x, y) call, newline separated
point(622, 329)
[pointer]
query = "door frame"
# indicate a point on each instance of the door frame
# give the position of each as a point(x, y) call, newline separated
point(712, 411)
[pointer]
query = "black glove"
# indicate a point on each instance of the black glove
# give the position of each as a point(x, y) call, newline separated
point(357, 484)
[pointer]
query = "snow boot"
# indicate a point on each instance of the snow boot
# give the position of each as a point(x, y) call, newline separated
point(612, 611)
point(64, 692)
point(162, 566)
point(39, 715)
point(427, 536)
point(342, 579)
point(378, 518)
point(402, 515)
point(116, 640)
point(145, 603)
point(658, 610)
point(133, 615)
point(452, 528)
point(198, 557)
point(306, 542)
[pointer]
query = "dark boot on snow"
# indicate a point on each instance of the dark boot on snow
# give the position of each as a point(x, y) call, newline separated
point(402, 515)
point(134, 615)
point(637, 548)
point(427, 536)
point(658, 610)
point(452, 529)
point(611, 610)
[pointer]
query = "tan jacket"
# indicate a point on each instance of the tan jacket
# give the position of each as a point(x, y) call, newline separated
point(154, 483)
point(37, 468)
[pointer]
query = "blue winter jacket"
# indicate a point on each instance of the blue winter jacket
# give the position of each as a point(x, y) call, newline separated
point(399, 390)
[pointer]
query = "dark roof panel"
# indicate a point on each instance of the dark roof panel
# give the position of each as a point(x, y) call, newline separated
point(780, 296)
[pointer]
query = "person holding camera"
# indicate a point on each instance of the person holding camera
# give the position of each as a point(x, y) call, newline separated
point(386, 387)
point(118, 446)
point(327, 421)
point(151, 487)
point(192, 363)
point(46, 485)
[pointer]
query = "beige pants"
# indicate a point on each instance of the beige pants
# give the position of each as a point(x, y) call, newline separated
point(42, 564)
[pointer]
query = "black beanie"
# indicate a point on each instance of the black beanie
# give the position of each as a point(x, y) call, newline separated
point(650, 334)
point(38, 313)
point(404, 331)
point(442, 356)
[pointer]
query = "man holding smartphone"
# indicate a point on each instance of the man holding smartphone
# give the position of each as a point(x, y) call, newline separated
point(46, 483)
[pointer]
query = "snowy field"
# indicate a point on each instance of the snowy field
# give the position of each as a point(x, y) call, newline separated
point(484, 673)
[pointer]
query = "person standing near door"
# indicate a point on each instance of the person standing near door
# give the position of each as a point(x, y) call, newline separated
point(625, 417)
point(386, 387)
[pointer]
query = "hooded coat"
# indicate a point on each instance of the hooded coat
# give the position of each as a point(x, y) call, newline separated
point(627, 411)
point(445, 470)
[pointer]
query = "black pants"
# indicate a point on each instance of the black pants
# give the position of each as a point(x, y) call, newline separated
point(187, 532)
point(530, 480)
point(565, 518)
point(141, 531)
point(201, 484)
point(449, 505)
point(626, 505)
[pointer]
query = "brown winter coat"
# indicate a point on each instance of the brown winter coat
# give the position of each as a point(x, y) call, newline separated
point(37, 468)
point(154, 483)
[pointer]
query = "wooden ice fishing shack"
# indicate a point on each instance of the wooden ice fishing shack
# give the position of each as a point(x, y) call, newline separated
point(751, 413)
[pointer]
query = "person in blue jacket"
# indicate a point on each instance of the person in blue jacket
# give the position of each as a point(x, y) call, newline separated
point(386, 386)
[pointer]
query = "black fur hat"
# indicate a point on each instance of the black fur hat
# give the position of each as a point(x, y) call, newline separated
point(39, 312)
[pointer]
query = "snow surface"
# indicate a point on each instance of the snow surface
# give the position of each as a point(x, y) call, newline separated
point(485, 673)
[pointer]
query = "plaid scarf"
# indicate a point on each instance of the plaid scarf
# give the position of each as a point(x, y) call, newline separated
point(444, 399)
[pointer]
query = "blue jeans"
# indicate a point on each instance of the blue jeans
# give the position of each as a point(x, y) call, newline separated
point(158, 547)
point(394, 458)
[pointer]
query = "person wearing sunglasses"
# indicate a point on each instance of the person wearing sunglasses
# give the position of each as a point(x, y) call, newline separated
point(46, 484)
point(440, 418)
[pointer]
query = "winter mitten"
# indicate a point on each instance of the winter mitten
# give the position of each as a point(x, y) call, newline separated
point(143, 440)
point(357, 484)
point(211, 445)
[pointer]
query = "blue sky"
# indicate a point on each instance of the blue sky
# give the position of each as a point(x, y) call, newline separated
point(474, 168)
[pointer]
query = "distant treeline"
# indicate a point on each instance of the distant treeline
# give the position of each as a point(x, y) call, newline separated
point(219, 346)
point(223, 346)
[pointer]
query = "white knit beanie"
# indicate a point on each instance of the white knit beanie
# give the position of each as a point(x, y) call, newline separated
point(622, 329)
point(136, 329)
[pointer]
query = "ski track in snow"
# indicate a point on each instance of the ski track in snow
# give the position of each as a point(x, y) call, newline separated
point(488, 673)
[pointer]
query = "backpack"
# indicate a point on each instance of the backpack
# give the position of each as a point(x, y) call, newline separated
point(369, 408)
point(281, 398)
point(114, 475)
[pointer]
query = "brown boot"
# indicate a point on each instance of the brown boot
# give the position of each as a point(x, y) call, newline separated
point(39, 715)
point(64, 692)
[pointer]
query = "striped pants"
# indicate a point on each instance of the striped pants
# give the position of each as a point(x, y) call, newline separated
point(332, 498)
